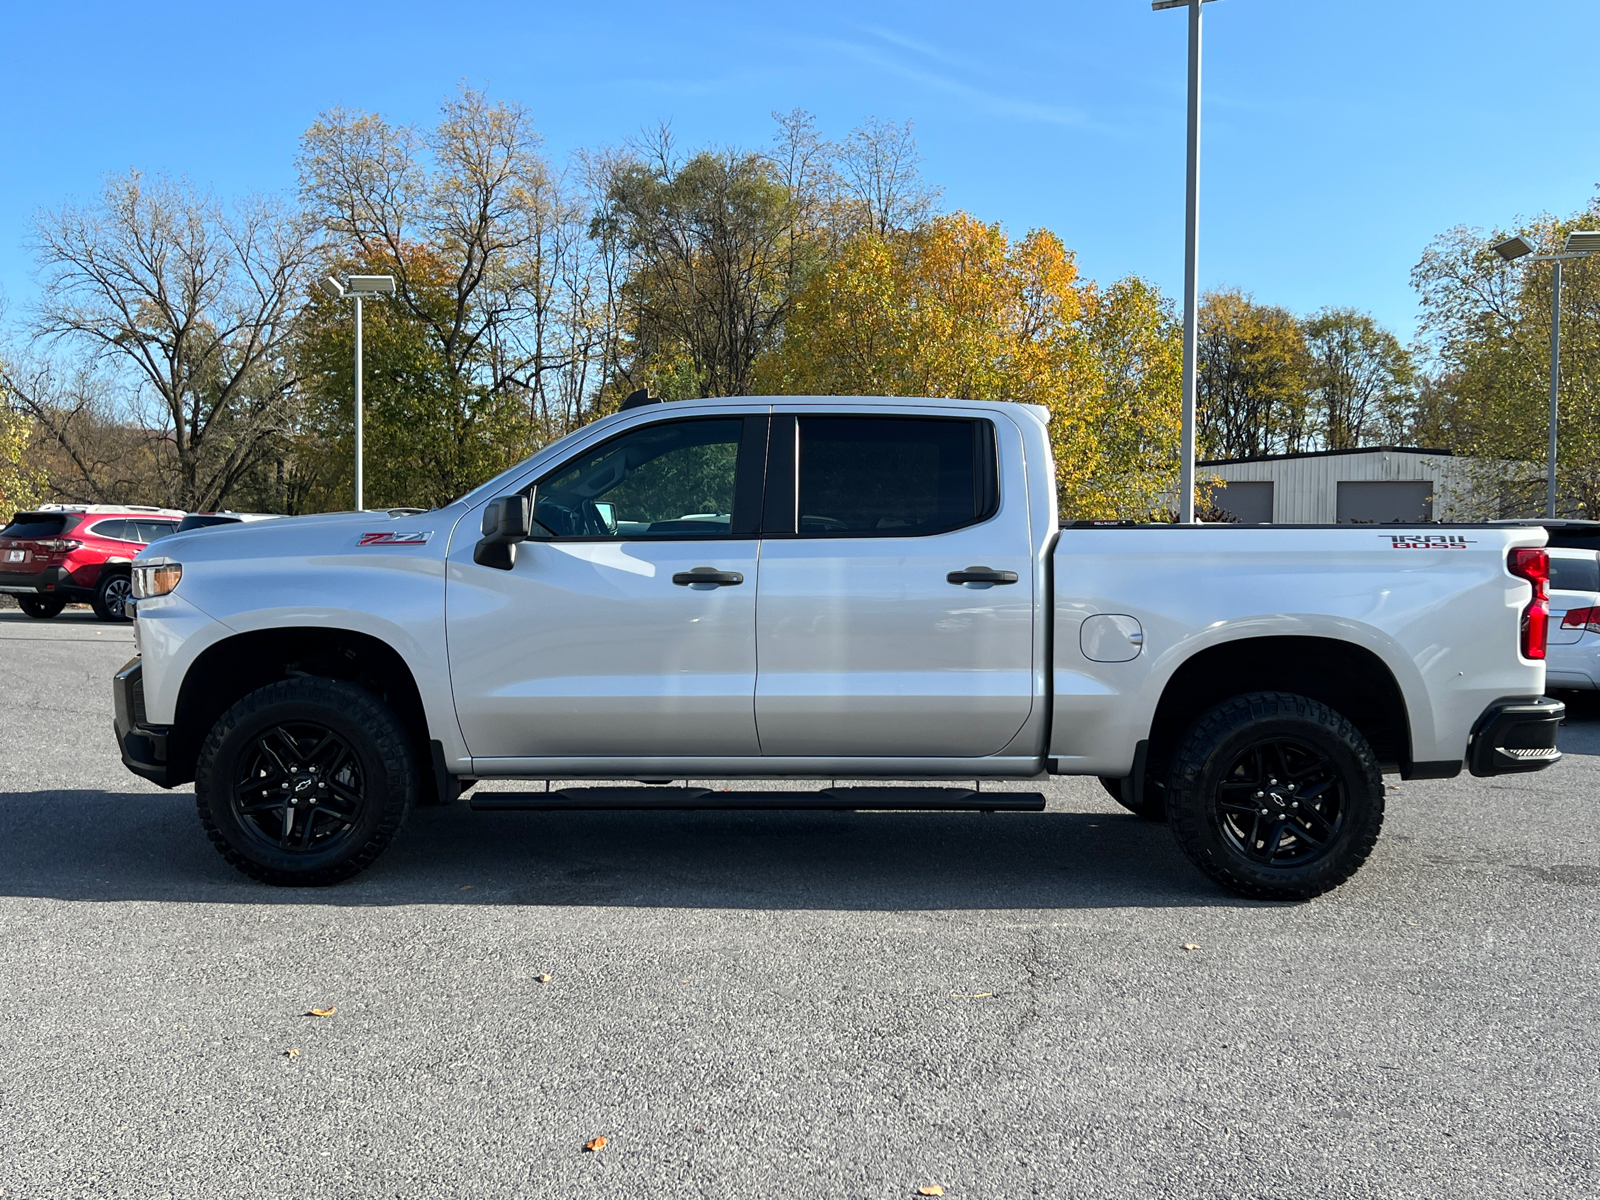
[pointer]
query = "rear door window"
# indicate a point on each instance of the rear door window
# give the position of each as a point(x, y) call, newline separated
point(117, 530)
point(28, 527)
point(892, 476)
point(1575, 574)
point(150, 531)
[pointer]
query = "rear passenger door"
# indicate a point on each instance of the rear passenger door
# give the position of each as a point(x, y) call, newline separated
point(894, 614)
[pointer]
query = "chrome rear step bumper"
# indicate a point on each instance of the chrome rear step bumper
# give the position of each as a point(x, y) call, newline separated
point(1516, 735)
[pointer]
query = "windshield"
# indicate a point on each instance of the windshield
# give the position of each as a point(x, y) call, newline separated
point(494, 486)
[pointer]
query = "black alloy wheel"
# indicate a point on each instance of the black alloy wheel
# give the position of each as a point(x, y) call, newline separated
point(299, 788)
point(1281, 803)
point(41, 607)
point(305, 781)
point(1275, 796)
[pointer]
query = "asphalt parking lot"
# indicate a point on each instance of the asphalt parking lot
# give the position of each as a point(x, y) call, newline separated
point(772, 1004)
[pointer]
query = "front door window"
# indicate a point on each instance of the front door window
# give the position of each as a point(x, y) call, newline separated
point(673, 480)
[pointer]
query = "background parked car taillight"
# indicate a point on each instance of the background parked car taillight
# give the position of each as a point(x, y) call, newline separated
point(1582, 618)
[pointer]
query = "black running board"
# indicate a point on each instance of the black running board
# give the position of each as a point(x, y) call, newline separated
point(840, 799)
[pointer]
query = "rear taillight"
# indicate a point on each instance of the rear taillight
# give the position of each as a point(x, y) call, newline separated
point(1533, 564)
point(1582, 618)
point(56, 545)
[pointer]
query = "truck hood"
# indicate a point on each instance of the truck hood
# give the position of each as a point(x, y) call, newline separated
point(373, 532)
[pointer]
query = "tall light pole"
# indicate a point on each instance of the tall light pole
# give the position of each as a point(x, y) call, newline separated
point(1191, 263)
point(1580, 243)
point(357, 288)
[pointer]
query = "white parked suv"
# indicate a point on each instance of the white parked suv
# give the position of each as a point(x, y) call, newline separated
point(835, 588)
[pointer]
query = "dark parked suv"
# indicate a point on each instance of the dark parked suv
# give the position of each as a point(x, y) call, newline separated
point(58, 553)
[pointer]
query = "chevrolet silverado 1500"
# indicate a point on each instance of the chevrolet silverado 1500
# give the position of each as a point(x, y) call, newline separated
point(826, 588)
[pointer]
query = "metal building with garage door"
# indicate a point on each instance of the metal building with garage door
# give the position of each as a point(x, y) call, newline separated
point(1372, 486)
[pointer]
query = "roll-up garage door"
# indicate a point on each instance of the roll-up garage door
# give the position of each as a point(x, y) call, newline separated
point(1250, 501)
point(1379, 501)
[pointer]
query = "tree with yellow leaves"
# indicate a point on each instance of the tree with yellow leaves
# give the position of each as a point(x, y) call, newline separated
point(21, 483)
point(955, 308)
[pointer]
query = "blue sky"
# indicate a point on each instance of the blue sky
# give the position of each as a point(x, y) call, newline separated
point(1338, 138)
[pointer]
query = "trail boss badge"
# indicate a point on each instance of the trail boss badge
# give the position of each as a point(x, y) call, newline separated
point(394, 539)
point(1429, 541)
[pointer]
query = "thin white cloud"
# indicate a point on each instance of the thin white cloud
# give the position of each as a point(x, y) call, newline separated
point(987, 100)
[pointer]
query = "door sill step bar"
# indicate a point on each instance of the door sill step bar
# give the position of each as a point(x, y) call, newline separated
point(840, 799)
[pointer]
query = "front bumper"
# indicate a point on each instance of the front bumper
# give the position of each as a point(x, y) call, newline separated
point(1516, 735)
point(143, 746)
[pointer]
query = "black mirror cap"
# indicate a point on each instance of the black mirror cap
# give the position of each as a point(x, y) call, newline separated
point(507, 519)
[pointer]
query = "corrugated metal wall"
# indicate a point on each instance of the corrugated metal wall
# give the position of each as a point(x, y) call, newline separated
point(1306, 489)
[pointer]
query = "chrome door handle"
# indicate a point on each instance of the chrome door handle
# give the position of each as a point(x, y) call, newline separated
point(707, 575)
point(981, 575)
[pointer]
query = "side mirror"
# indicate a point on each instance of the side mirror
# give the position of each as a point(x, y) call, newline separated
point(506, 521)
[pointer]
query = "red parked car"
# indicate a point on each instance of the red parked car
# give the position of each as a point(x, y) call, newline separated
point(62, 552)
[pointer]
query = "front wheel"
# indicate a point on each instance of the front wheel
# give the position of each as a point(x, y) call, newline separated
point(1275, 796)
point(43, 609)
point(305, 782)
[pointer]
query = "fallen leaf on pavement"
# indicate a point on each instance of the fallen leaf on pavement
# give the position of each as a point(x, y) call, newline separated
point(594, 1144)
point(466, 887)
point(542, 978)
point(1191, 945)
point(933, 1189)
point(322, 1012)
point(971, 995)
point(292, 1052)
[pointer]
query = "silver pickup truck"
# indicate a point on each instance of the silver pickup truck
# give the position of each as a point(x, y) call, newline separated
point(826, 588)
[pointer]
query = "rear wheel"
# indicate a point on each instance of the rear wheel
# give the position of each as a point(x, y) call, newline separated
point(111, 596)
point(1275, 796)
point(42, 608)
point(305, 782)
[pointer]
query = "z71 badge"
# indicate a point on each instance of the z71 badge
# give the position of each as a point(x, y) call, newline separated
point(1429, 541)
point(395, 539)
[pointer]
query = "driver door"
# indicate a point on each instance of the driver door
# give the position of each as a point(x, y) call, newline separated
point(631, 632)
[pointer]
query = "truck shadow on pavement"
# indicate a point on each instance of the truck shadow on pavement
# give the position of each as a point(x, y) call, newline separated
point(109, 846)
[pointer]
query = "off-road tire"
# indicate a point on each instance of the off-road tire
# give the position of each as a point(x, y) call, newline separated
point(378, 745)
point(1212, 753)
point(1153, 807)
point(111, 595)
point(42, 608)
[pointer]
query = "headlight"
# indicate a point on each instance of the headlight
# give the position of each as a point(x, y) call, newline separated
point(155, 580)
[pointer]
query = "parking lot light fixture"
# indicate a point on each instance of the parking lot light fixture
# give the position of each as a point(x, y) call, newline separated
point(1513, 248)
point(357, 288)
point(1580, 243)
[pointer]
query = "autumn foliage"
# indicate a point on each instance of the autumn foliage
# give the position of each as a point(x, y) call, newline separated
point(957, 308)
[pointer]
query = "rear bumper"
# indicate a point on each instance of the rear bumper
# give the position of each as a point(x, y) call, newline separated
point(143, 746)
point(1517, 734)
point(52, 581)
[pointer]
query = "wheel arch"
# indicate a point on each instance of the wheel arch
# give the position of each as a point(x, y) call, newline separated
point(1348, 678)
point(230, 669)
